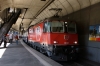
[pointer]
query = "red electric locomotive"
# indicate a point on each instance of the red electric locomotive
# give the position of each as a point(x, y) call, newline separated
point(56, 37)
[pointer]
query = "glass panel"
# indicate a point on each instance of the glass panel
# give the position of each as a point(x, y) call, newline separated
point(57, 26)
point(46, 27)
point(72, 27)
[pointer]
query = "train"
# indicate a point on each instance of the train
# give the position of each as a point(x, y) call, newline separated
point(55, 37)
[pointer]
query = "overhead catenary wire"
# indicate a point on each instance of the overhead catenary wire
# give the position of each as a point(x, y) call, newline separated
point(63, 7)
point(43, 8)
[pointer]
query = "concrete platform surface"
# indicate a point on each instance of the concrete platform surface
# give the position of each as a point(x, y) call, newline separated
point(23, 55)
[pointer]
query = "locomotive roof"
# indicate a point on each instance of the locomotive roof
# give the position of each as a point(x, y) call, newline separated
point(50, 19)
point(54, 18)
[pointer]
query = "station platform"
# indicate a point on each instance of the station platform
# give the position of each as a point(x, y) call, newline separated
point(22, 55)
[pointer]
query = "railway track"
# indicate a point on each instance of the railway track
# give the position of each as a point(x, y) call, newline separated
point(72, 63)
point(77, 63)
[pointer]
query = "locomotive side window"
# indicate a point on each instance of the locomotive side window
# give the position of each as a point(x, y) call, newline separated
point(30, 30)
point(72, 27)
point(46, 27)
point(57, 26)
point(38, 30)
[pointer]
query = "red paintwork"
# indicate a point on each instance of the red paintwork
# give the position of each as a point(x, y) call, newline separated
point(49, 38)
point(59, 37)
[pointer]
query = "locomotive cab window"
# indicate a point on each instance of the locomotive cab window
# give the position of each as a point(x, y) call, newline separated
point(72, 27)
point(57, 26)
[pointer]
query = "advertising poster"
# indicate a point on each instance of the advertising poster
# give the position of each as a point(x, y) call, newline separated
point(94, 33)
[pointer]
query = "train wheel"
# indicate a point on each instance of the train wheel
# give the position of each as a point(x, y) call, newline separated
point(42, 51)
point(38, 49)
point(49, 53)
point(34, 47)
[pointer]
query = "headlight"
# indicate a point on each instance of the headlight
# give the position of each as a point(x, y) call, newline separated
point(65, 22)
point(54, 42)
point(75, 42)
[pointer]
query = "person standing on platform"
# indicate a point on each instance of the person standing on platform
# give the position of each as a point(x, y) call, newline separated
point(16, 38)
point(10, 38)
point(5, 40)
point(1, 40)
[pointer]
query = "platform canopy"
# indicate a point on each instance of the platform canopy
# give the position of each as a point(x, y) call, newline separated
point(33, 11)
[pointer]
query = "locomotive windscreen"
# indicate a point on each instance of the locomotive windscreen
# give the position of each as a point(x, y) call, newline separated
point(57, 26)
point(60, 26)
point(72, 27)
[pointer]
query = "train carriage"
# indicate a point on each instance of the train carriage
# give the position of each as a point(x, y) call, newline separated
point(55, 37)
